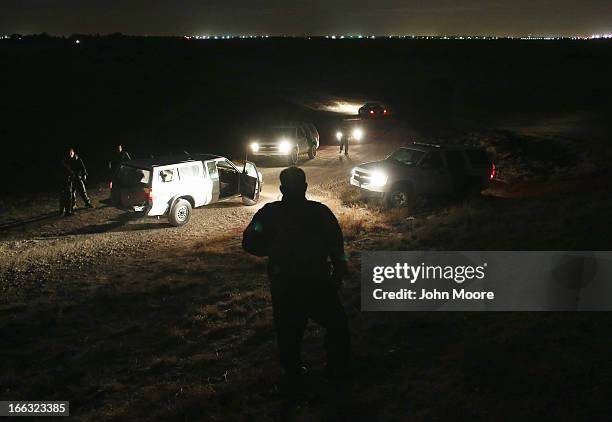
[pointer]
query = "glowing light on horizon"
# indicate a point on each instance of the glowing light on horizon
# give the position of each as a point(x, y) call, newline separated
point(598, 36)
point(343, 107)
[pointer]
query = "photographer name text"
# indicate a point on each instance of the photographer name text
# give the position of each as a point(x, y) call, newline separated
point(414, 273)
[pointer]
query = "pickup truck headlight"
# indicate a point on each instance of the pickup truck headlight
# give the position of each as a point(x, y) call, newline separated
point(284, 146)
point(378, 178)
point(254, 146)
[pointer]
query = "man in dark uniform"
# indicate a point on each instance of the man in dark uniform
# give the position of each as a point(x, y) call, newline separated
point(306, 265)
point(344, 143)
point(78, 173)
point(119, 157)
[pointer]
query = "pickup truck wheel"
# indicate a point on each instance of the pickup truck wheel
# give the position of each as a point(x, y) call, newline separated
point(180, 213)
point(312, 151)
point(293, 157)
point(399, 196)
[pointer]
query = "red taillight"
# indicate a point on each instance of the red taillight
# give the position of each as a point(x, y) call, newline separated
point(493, 171)
point(149, 194)
point(371, 111)
point(385, 111)
point(110, 185)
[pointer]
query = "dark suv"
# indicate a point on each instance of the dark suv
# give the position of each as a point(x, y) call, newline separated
point(425, 169)
point(286, 142)
point(373, 110)
point(311, 133)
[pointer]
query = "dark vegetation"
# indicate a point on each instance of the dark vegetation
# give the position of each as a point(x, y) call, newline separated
point(157, 95)
point(190, 338)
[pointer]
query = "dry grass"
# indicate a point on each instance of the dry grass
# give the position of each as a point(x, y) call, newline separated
point(193, 340)
point(356, 222)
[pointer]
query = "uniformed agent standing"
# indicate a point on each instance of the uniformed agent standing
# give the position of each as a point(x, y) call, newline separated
point(306, 265)
point(344, 143)
point(78, 173)
point(119, 157)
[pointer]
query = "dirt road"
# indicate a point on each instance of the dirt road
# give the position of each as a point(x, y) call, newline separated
point(52, 252)
point(131, 319)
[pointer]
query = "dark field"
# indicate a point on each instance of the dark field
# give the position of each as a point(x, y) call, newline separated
point(130, 319)
point(157, 95)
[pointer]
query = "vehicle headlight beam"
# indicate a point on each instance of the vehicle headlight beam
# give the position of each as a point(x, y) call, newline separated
point(284, 146)
point(378, 178)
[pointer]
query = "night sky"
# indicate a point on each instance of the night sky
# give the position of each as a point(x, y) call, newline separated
point(315, 17)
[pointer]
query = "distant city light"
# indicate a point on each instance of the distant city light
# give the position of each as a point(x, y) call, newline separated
point(530, 37)
point(395, 36)
point(224, 37)
point(598, 36)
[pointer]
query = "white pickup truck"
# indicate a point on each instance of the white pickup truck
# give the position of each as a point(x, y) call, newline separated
point(173, 186)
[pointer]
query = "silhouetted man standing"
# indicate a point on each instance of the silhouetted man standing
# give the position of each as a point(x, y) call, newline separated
point(306, 265)
point(119, 157)
point(78, 173)
point(344, 143)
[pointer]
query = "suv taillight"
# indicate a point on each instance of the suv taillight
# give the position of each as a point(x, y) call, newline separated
point(149, 194)
point(110, 185)
point(493, 171)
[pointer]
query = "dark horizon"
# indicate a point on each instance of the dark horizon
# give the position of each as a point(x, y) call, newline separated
point(338, 36)
point(502, 18)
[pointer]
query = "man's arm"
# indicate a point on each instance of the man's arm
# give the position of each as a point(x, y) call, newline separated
point(336, 247)
point(83, 169)
point(255, 239)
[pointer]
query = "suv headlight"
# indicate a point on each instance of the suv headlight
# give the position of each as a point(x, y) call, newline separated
point(357, 134)
point(339, 135)
point(284, 146)
point(378, 178)
point(254, 146)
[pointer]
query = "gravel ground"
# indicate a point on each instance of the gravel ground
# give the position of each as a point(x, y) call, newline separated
point(60, 256)
point(43, 254)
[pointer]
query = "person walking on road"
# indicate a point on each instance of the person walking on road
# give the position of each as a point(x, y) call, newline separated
point(344, 143)
point(306, 265)
point(78, 174)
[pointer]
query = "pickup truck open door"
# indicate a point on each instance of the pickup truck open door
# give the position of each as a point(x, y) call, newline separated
point(250, 183)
